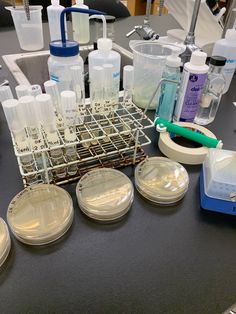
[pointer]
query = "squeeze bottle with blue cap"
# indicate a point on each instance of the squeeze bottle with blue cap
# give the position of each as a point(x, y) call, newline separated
point(65, 53)
point(54, 11)
point(193, 80)
point(80, 24)
point(105, 55)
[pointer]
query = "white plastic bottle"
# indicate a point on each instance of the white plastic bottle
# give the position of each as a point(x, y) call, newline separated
point(105, 55)
point(54, 11)
point(80, 24)
point(193, 80)
point(62, 58)
point(227, 48)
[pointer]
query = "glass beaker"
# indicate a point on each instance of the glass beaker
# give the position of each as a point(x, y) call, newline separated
point(29, 32)
point(149, 62)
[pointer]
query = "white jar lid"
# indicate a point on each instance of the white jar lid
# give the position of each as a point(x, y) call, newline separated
point(105, 194)
point(5, 241)
point(40, 214)
point(161, 180)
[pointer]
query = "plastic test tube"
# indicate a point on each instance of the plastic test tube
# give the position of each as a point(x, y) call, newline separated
point(32, 122)
point(15, 121)
point(35, 90)
point(109, 100)
point(22, 90)
point(78, 86)
point(128, 83)
point(96, 90)
point(69, 112)
point(48, 121)
point(51, 88)
point(5, 93)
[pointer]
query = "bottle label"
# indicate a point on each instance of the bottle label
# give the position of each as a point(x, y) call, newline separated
point(193, 90)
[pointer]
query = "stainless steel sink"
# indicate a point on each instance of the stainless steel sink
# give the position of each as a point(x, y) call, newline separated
point(31, 68)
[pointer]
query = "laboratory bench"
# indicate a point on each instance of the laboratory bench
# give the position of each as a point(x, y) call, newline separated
point(177, 259)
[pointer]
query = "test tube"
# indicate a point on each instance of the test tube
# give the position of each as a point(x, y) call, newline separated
point(15, 121)
point(22, 90)
point(32, 122)
point(109, 100)
point(78, 87)
point(69, 112)
point(35, 90)
point(128, 83)
point(51, 88)
point(48, 120)
point(5, 93)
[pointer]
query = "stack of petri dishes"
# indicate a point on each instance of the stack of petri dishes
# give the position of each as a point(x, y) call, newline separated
point(161, 180)
point(5, 241)
point(40, 214)
point(105, 194)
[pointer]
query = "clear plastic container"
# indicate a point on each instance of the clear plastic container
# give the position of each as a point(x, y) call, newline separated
point(149, 62)
point(105, 194)
point(40, 214)
point(5, 241)
point(219, 170)
point(29, 32)
point(161, 180)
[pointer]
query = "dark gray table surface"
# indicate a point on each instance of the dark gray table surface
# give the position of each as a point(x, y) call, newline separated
point(179, 259)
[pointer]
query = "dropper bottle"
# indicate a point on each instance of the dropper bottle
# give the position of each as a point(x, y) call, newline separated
point(48, 121)
point(69, 111)
point(15, 121)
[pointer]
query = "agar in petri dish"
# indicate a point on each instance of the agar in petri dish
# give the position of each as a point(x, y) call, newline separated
point(40, 214)
point(105, 194)
point(5, 241)
point(161, 180)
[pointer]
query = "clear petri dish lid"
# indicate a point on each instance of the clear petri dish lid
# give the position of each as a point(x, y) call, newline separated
point(40, 214)
point(105, 194)
point(161, 180)
point(5, 241)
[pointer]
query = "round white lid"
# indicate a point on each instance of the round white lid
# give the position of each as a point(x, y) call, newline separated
point(40, 214)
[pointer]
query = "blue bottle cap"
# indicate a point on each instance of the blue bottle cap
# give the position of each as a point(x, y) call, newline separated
point(68, 49)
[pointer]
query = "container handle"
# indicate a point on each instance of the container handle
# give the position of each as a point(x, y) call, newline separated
point(78, 10)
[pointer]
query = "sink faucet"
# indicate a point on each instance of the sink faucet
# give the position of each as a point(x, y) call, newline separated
point(145, 31)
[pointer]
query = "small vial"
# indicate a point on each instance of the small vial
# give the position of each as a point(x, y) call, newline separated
point(48, 120)
point(32, 121)
point(15, 120)
point(69, 111)
point(35, 90)
point(128, 84)
point(78, 87)
point(212, 92)
point(5, 93)
point(22, 90)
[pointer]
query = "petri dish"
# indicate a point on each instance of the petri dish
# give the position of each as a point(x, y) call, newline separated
point(105, 194)
point(5, 241)
point(161, 180)
point(40, 214)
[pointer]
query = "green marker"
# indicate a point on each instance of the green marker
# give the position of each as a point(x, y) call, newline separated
point(163, 125)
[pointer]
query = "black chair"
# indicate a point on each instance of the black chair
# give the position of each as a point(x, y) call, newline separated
point(111, 7)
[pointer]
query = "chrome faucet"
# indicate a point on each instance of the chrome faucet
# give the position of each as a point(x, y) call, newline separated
point(145, 31)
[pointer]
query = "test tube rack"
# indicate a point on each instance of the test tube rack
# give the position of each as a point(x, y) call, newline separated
point(114, 141)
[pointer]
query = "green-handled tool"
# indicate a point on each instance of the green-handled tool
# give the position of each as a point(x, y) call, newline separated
point(163, 126)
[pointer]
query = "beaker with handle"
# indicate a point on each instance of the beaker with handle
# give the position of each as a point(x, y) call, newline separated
point(149, 59)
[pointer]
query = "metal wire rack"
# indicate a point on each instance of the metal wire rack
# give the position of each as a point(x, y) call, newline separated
point(114, 140)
